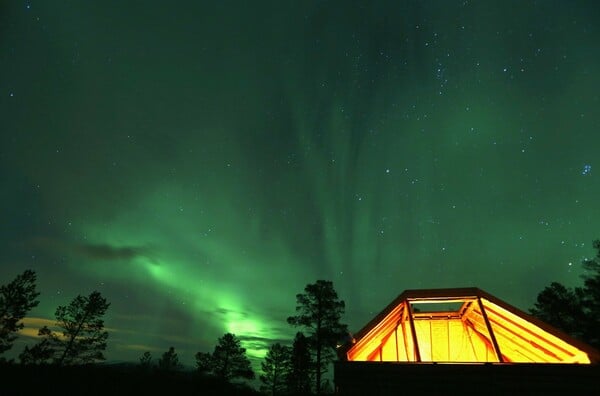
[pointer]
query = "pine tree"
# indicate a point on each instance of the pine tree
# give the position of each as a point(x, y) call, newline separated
point(204, 363)
point(83, 337)
point(576, 310)
point(169, 361)
point(591, 297)
point(146, 361)
point(319, 314)
point(299, 378)
point(275, 367)
point(228, 361)
point(40, 353)
point(561, 307)
point(16, 299)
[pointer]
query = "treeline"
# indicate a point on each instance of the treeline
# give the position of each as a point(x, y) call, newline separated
point(575, 310)
point(81, 340)
point(295, 369)
point(286, 370)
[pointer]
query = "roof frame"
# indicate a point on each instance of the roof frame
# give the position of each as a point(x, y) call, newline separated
point(399, 317)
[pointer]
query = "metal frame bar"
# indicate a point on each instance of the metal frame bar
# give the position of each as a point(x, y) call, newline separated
point(396, 340)
point(404, 333)
point(490, 332)
point(413, 331)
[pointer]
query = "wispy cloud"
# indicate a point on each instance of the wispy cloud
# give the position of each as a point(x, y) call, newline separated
point(139, 347)
point(90, 250)
point(108, 252)
point(33, 325)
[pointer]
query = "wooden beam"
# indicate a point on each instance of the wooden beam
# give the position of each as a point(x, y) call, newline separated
point(490, 331)
point(413, 332)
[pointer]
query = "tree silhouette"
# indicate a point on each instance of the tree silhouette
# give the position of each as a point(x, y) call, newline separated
point(576, 311)
point(591, 296)
point(16, 299)
point(204, 363)
point(299, 379)
point(561, 307)
point(146, 361)
point(319, 314)
point(169, 361)
point(227, 362)
point(40, 353)
point(82, 338)
point(275, 367)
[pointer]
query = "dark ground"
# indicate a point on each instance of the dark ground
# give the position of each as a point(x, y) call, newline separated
point(108, 380)
point(387, 378)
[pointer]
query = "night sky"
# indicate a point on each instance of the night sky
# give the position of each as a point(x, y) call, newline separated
point(199, 162)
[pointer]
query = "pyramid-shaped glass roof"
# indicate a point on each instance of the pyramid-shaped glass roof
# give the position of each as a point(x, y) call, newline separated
point(464, 325)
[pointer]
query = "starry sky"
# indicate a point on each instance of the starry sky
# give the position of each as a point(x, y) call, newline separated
point(200, 162)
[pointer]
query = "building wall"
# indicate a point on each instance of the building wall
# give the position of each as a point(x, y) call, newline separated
point(380, 379)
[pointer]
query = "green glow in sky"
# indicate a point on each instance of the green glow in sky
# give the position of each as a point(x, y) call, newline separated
point(200, 164)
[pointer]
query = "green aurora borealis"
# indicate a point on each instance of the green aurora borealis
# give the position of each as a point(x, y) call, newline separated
point(200, 162)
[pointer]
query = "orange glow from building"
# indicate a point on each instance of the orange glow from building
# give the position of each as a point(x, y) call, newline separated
point(469, 328)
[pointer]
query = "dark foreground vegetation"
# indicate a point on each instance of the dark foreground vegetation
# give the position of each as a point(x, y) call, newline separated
point(574, 310)
point(98, 379)
point(67, 359)
point(391, 378)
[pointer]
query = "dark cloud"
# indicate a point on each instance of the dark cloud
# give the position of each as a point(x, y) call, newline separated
point(261, 341)
point(224, 311)
point(108, 252)
point(90, 251)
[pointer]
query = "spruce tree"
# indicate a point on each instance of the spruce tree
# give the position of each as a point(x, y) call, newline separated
point(298, 379)
point(319, 312)
point(275, 367)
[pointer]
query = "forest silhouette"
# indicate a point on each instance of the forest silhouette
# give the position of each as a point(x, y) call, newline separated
point(71, 357)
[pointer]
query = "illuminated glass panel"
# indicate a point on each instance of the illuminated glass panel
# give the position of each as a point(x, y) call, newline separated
point(522, 341)
point(455, 330)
